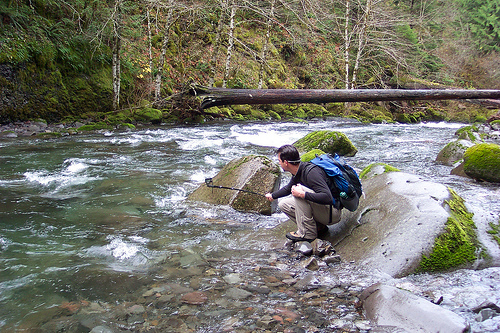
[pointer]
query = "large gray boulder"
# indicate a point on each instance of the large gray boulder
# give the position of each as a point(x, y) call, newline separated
point(398, 221)
point(395, 308)
point(252, 173)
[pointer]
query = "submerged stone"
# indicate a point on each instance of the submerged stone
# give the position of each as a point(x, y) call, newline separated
point(195, 298)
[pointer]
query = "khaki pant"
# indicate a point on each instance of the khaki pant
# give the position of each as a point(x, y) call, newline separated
point(309, 216)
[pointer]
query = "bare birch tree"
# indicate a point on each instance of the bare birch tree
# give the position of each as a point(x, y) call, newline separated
point(347, 42)
point(263, 55)
point(116, 49)
point(169, 20)
point(223, 5)
point(230, 46)
point(362, 35)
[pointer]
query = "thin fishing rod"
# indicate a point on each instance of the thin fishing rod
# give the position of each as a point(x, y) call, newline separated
point(209, 183)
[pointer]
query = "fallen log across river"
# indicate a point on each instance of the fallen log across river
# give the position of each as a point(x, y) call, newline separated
point(223, 96)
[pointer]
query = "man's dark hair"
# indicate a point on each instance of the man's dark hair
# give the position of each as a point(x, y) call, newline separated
point(289, 153)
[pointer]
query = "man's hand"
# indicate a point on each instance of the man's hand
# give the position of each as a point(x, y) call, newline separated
point(298, 191)
point(269, 197)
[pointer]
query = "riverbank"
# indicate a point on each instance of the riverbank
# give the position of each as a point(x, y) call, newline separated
point(375, 113)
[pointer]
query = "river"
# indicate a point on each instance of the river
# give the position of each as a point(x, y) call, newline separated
point(98, 217)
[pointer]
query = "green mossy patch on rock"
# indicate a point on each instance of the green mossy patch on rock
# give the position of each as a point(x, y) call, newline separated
point(95, 127)
point(148, 115)
point(469, 132)
point(376, 169)
point(306, 157)
point(331, 142)
point(482, 162)
point(49, 135)
point(458, 245)
point(495, 231)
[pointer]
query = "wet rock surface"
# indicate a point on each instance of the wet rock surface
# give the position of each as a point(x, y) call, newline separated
point(381, 233)
point(242, 184)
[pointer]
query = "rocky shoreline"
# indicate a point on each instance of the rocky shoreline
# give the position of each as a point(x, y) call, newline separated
point(269, 291)
point(34, 128)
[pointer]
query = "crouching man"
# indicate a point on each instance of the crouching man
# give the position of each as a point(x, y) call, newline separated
point(311, 205)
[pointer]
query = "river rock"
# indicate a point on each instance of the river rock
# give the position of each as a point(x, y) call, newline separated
point(237, 293)
point(453, 152)
point(196, 298)
point(482, 162)
point(253, 173)
point(397, 308)
point(331, 142)
point(101, 329)
point(397, 221)
point(303, 247)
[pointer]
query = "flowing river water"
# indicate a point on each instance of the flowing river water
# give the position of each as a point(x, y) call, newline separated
point(104, 219)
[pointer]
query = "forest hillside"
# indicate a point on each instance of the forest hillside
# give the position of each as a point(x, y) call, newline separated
point(121, 61)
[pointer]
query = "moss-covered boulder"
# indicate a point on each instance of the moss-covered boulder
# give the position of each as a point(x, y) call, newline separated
point(148, 114)
point(482, 162)
point(331, 142)
point(469, 132)
point(405, 224)
point(453, 152)
point(251, 173)
point(495, 125)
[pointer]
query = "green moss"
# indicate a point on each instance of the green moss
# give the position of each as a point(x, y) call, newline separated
point(328, 141)
point(311, 154)
point(387, 168)
point(127, 125)
point(495, 231)
point(482, 161)
point(467, 133)
point(95, 126)
point(370, 112)
point(148, 115)
point(458, 244)
point(48, 135)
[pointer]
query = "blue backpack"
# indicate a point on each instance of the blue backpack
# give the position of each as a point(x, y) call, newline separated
point(343, 180)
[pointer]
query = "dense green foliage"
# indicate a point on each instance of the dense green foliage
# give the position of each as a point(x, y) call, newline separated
point(56, 57)
point(484, 21)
